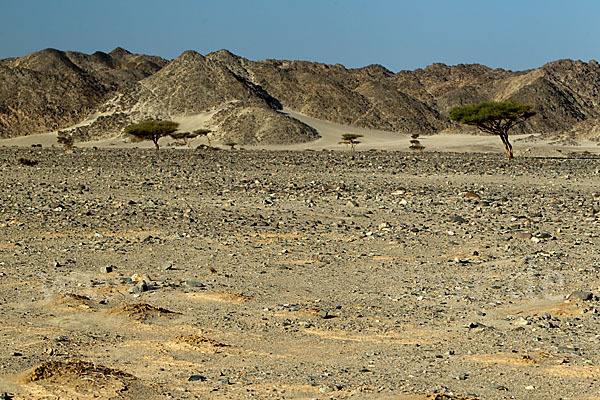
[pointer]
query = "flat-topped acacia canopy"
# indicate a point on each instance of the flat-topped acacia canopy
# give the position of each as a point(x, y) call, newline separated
point(494, 117)
point(151, 130)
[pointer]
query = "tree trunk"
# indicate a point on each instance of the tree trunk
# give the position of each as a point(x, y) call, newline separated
point(156, 144)
point(507, 145)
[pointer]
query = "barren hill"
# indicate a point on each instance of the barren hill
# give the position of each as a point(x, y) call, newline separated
point(52, 89)
point(240, 100)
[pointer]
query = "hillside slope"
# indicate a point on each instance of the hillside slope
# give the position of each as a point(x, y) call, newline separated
point(93, 96)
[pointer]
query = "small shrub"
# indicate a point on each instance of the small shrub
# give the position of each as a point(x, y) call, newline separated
point(27, 162)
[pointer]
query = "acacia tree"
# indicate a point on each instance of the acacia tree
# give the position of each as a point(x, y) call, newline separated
point(415, 144)
point(350, 139)
point(203, 132)
point(185, 137)
point(151, 130)
point(493, 117)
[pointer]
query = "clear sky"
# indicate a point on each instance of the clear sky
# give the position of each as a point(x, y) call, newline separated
point(400, 34)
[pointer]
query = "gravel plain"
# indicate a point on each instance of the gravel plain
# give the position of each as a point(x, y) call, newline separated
point(128, 274)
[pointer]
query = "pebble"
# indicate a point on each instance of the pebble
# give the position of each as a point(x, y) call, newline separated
point(461, 377)
point(194, 284)
point(141, 287)
point(458, 219)
point(474, 325)
point(471, 195)
point(139, 278)
point(107, 269)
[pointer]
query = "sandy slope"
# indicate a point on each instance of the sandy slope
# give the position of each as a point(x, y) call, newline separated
point(330, 137)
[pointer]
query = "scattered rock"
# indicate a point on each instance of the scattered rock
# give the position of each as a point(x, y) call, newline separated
point(458, 219)
point(352, 203)
point(141, 287)
point(580, 295)
point(195, 284)
point(107, 269)
point(471, 195)
point(196, 378)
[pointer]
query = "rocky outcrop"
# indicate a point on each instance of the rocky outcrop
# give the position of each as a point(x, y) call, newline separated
point(97, 95)
point(52, 89)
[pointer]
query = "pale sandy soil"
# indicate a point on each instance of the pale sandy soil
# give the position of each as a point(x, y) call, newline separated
point(330, 137)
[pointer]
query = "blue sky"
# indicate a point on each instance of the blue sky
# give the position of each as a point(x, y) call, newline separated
point(510, 34)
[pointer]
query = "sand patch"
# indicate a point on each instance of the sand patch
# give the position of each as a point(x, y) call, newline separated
point(197, 343)
point(221, 297)
point(574, 371)
point(407, 337)
point(554, 305)
point(72, 300)
point(518, 359)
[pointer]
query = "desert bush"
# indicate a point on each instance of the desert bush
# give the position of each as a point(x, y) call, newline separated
point(28, 162)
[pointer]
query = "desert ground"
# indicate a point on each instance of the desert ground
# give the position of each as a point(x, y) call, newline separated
point(127, 273)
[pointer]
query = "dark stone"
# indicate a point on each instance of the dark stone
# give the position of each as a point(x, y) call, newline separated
point(107, 269)
point(194, 378)
point(140, 288)
point(474, 325)
point(194, 284)
point(581, 296)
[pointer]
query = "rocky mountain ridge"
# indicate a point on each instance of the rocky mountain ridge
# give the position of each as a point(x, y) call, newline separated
point(93, 96)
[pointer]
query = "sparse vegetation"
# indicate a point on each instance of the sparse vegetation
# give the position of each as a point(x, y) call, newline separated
point(203, 132)
point(186, 137)
point(183, 137)
point(415, 144)
point(492, 117)
point(65, 140)
point(350, 140)
point(151, 130)
point(28, 162)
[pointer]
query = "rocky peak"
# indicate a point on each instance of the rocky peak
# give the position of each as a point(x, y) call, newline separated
point(119, 52)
